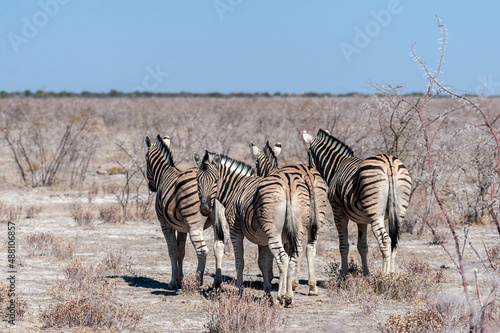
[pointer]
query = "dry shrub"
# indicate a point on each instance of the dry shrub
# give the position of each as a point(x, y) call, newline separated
point(230, 310)
point(111, 188)
point(116, 260)
point(444, 314)
point(9, 213)
point(422, 320)
point(20, 304)
point(32, 211)
point(111, 214)
point(494, 256)
point(416, 283)
point(191, 283)
point(92, 191)
point(85, 299)
point(83, 215)
point(46, 244)
point(115, 170)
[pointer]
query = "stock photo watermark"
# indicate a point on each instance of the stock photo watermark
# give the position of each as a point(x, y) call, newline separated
point(223, 6)
point(487, 85)
point(11, 272)
point(152, 79)
point(31, 26)
point(363, 36)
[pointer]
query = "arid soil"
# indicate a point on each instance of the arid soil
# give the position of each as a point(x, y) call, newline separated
point(114, 145)
point(143, 283)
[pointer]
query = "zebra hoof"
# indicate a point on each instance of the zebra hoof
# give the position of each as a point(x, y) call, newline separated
point(173, 285)
point(313, 292)
point(288, 302)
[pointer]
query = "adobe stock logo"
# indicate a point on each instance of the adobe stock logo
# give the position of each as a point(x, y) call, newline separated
point(30, 28)
point(151, 80)
point(221, 6)
point(363, 37)
point(487, 85)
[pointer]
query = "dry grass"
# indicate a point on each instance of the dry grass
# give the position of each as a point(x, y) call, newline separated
point(111, 214)
point(46, 244)
point(9, 213)
point(415, 284)
point(191, 283)
point(21, 304)
point(422, 320)
point(33, 211)
point(116, 261)
point(85, 299)
point(230, 310)
point(83, 215)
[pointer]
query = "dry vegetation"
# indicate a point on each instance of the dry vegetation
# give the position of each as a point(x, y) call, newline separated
point(83, 161)
point(113, 192)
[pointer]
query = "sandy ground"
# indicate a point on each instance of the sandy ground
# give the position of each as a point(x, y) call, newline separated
point(144, 282)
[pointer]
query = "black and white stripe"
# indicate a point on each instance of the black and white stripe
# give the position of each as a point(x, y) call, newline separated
point(311, 180)
point(178, 210)
point(264, 210)
point(367, 192)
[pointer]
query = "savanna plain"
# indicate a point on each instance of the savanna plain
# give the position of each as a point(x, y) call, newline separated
point(89, 254)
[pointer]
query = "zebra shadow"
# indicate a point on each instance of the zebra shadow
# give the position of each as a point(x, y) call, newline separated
point(148, 283)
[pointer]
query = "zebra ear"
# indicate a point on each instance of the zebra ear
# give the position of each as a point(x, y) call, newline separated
point(147, 141)
point(326, 131)
point(166, 139)
point(197, 159)
point(277, 149)
point(217, 159)
point(308, 138)
point(255, 150)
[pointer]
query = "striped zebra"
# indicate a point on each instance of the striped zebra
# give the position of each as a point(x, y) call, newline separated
point(369, 191)
point(266, 164)
point(267, 211)
point(178, 210)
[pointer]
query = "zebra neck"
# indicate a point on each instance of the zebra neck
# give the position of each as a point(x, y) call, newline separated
point(164, 172)
point(264, 168)
point(331, 163)
point(231, 184)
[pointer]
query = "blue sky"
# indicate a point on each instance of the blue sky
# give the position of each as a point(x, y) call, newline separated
point(244, 45)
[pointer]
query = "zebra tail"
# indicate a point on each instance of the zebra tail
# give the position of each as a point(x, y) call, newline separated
point(394, 221)
point(219, 219)
point(313, 222)
point(291, 227)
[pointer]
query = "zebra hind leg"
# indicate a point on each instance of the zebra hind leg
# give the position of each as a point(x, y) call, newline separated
point(341, 222)
point(172, 246)
point(266, 267)
point(181, 252)
point(311, 254)
point(363, 246)
point(295, 276)
point(198, 240)
point(384, 242)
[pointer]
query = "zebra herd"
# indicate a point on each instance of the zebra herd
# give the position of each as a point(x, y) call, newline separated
point(276, 208)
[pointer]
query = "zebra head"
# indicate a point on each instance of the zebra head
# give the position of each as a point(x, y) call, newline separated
point(309, 139)
point(158, 153)
point(150, 147)
point(266, 159)
point(208, 180)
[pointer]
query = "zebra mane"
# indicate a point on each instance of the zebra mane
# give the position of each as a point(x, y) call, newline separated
point(238, 167)
point(335, 143)
point(269, 153)
point(164, 151)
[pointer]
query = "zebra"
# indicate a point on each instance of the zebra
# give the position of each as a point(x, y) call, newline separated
point(369, 191)
point(266, 164)
point(267, 211)
point(178, 211)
